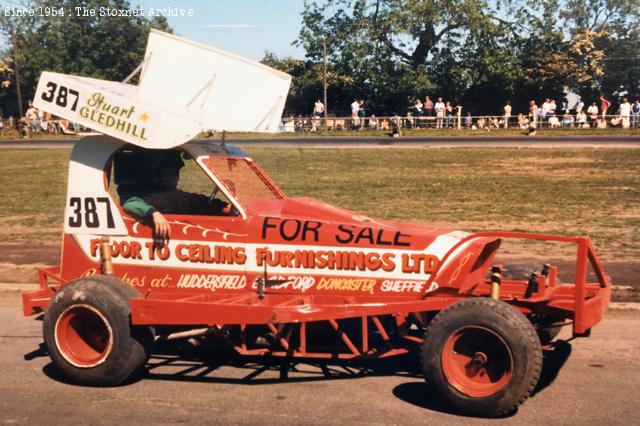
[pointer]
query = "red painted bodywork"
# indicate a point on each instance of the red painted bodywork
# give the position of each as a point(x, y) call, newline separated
point(290, 304)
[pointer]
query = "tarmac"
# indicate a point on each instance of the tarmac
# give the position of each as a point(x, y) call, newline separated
point(587, 381)
point(491, 140)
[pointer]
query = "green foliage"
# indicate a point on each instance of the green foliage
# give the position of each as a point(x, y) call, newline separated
point(102, 47)
point(475, 52)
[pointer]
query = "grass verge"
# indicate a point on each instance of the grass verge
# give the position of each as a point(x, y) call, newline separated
point(590, 191)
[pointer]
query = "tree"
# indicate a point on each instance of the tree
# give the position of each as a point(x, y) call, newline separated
point(591, 46)
point(107, 47)
point(613, 28)
point(396, 50)
point(306, 83)
point(477, 52)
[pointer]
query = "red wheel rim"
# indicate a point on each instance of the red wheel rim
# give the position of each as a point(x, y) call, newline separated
point(83, 336)
point(476, 361)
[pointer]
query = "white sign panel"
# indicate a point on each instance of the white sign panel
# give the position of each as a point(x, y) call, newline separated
point(114, 109)
point(184, 88)
point(232, 93)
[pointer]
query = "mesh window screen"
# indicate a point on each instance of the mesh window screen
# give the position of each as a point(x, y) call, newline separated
point(244, 179)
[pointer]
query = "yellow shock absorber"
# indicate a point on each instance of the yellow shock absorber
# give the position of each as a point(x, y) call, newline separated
point(496, 277)
point(105, 257)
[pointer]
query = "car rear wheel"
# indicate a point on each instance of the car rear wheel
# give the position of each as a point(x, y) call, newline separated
point(88, 332)
point(482, 357)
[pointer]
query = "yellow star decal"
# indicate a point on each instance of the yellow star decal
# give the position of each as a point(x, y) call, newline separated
point(143, 117)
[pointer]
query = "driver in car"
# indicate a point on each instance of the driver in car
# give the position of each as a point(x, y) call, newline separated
point(147, 183)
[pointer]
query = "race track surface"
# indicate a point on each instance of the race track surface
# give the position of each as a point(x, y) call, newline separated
point(591, 381)
point(627, 141)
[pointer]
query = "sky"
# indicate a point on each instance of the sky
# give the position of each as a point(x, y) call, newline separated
point(245, 27)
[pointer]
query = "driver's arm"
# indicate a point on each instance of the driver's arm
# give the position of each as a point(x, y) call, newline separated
point(138, 208)
point(141, 210)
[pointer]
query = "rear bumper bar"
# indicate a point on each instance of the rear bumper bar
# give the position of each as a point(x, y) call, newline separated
point(584, 302)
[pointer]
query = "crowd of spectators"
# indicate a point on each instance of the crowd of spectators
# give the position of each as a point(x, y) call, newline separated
point(36, 121)
point(440, 114)
point(597, 115)
point(443, 114)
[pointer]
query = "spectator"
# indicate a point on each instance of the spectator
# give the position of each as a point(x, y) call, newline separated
point(42, 119)
point(546, 108)
point(373, 122)
point(428, 107)
point(468, 121)
point(409, 121)
point(625, 113)
point(635, 113)
point(355, 114)
point(567, 119)
point(579, 107)
point(541, 115)
point(507, 114)
point(439, 108)
point(361, 110)
point(32, 117)
point(523, 122)
point(448, 109)
point(533, 114)
point(581, 120)
point(24, 127)
point(604, 106)
point(1, 125)
point(593, 114)
point(395, 126)
point(552, 107)
point(318, 109)
point(417, 108)
point(44, 122)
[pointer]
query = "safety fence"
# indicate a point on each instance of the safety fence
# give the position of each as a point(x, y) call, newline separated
point(388, 123)
point(456, 122)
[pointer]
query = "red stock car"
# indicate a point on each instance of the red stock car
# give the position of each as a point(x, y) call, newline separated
point(296, 277)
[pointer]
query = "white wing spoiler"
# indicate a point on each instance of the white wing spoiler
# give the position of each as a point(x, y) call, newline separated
point(184, 88)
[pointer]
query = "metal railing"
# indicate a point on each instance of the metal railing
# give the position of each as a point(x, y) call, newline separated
point(455, 122)
point(386, 123)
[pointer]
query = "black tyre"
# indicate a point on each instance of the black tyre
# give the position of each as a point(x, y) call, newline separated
point(482, 357)
point(88, 332)
point(548, 327)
